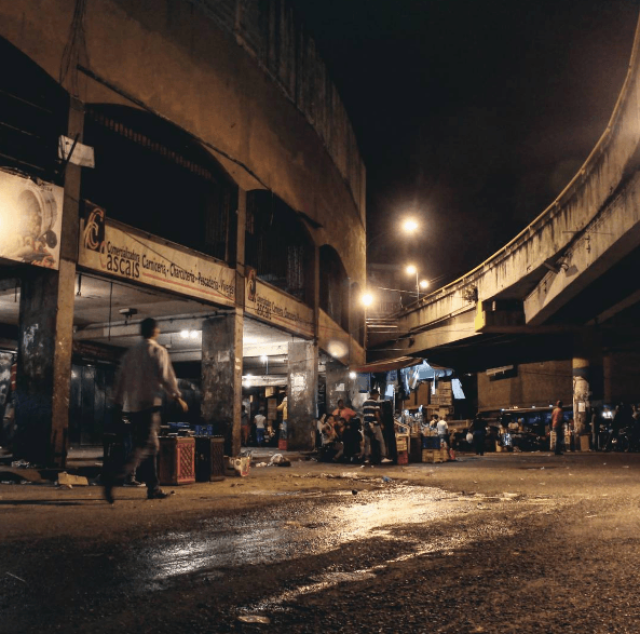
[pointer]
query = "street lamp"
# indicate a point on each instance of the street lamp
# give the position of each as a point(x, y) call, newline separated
point(413, 270)
point(410, 225)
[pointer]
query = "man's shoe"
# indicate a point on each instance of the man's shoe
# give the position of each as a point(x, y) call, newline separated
point(386, 461)
point(108, 494)
point(158, 494)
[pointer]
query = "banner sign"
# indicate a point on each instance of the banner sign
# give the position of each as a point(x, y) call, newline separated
point(273, 306)
point(334, 340)
point(114, 249)
point(30, 221)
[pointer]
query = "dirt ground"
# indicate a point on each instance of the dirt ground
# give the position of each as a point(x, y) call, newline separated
point(504, 543)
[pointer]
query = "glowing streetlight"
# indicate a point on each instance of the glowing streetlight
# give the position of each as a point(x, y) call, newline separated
point(412, 269)
point(410, 225)
point(367, 299)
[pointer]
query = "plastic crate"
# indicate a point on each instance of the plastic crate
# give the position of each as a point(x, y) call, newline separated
point(403, 457)
point(209, 459)
point(282, 445)
point(430, 442)
point(113, 452)
point(203, 430)
point(177, 460)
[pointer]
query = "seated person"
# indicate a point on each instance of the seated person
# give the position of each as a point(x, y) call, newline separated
point(352, 440)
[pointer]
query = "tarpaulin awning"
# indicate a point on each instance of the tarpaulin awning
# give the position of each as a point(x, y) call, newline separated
point(386, 365)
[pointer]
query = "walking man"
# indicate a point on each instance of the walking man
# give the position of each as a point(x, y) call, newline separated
point(260, 421)
point(373, 422)
point(145, 371)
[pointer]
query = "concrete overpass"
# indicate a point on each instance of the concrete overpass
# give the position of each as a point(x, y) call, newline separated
point(563, 287)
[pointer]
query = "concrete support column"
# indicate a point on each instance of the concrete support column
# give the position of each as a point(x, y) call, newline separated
point(338, 384)
point(45, 343)
point(44, 365)
point(222, 375)
point(588, 380)
point(302, 395)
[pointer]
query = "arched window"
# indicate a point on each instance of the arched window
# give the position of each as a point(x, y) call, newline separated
point(334, 287)
point(278, 245)
point(34, 111)
point(154, 176)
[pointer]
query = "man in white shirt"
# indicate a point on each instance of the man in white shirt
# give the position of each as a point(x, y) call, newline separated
point(145, 372)
point(443, 430)
point(260, 421)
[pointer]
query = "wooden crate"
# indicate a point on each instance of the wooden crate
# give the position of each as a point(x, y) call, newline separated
point(432, 456)
point(415, 448)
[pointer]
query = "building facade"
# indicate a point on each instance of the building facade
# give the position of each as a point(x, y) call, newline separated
point(182, 159)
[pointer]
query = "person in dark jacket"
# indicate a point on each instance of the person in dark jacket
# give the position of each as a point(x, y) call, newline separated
point(479, 430)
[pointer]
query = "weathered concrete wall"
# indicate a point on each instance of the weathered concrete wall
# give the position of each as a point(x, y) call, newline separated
point(178, 62)
point(302, 395)
point(535, 384)
point(222, 375)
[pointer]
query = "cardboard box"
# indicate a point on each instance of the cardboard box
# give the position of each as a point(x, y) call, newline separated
point(432, 456)
point(424, 393)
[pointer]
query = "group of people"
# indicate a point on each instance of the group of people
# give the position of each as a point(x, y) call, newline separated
point(342, 436)
point(262, 429)
point(439, 425)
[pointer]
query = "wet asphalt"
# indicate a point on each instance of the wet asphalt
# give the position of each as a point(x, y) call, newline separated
point(518, 543)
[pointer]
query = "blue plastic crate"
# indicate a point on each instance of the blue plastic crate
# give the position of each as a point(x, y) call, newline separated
point(430, 442)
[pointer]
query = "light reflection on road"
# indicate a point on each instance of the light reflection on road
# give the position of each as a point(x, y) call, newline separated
point(292, 530)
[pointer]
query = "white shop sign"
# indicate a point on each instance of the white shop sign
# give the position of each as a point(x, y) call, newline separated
point(109, 247)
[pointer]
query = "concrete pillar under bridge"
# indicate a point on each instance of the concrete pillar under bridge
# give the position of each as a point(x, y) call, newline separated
point(302, 394)
point(588, 378)
point(338, 385)
point(222, 375)
point(43, 377)
point(44, 366)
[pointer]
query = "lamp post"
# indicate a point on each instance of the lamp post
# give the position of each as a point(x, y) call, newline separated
point(413, 270)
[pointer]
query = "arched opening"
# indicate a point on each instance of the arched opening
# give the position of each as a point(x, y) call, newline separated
point(34, 111)
point(278, 245)
point(334, 287)
point(154, 176)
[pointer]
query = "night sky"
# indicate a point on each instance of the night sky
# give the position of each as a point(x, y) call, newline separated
point(471, 114)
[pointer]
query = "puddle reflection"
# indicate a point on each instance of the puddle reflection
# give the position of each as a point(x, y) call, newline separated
point(289, 531)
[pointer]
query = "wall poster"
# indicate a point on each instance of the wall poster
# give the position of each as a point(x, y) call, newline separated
point(30, 220)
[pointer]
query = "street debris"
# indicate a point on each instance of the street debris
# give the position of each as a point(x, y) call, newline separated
point(20, 464)
point(9, 574)
point(67, 480)
point(254, 618)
